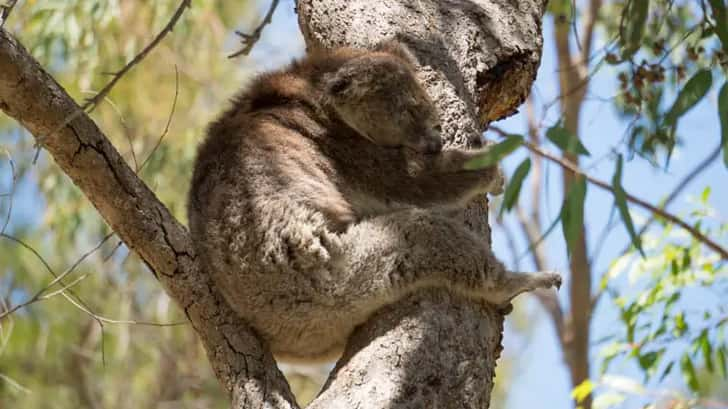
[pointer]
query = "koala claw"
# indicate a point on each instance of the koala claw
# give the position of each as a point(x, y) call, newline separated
point(316, 249)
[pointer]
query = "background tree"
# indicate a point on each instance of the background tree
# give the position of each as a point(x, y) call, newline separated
point(646, 59)
point(664, 58)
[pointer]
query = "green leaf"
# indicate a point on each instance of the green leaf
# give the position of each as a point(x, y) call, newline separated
point(494, 153)
point(705, 195)
point(680, 325)
point(649, 361)
point(620, 199)
point(582, 390)
point(634, 17)
point(721, 21)
point(566, 140)
point(666, 371)
point(688, 372)
point(723, 116)
point(720, 356)
point(572, 211)
point(706, 349)
point(693, 91)
point(514, 186)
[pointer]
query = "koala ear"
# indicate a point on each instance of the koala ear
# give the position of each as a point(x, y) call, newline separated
point(398, 49)
point(336, 83)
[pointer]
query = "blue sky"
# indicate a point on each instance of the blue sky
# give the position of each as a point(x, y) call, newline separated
point(540, 375)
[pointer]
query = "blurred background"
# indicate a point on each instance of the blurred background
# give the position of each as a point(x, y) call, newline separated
point(639, 84)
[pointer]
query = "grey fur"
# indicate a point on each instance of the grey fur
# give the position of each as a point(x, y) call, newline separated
point(318, 198)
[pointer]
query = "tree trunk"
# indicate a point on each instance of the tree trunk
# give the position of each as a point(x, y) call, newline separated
point(477, 58)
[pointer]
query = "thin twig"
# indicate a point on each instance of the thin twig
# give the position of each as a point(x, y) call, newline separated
point(169, 121)
point(10, 194)
point(6, 332)
point(566, 164)
point(589, 24)
point(58, 278)
point(683, 184)
point(249, 40)
point(6, 9)
point(113, 251)
point(91, 103)
point(12, 382)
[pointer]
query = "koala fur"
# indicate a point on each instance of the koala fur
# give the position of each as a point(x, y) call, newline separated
point(317, 198)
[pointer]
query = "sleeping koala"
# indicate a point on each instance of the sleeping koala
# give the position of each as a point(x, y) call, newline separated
point(317, 198)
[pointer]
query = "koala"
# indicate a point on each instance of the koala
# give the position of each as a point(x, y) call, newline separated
point(322, 194)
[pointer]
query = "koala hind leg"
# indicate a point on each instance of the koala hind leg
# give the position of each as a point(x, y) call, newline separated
point(512, 283)
point(388, 256)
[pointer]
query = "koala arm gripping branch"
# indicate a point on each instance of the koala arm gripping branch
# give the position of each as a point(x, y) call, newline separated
point(402, 176)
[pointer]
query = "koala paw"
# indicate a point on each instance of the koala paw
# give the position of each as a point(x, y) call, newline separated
point(313, 247)
point(492, 178)
point(303, 247)
point(497, 184)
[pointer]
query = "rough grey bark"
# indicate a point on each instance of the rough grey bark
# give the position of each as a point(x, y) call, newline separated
point(478, 58)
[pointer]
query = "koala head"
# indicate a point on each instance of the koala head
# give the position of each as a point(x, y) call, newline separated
point(377, 94)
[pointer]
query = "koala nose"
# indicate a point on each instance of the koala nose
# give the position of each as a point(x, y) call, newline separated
point(431, 142)
point(433, 145)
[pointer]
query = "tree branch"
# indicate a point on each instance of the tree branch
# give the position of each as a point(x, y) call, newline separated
point(656, 211)
point(588, 31)
point(31, 96)
point(7, 8)
point(698, 235)
point(249, 40)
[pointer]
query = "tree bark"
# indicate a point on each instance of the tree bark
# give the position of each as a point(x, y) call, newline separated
point(478, 60)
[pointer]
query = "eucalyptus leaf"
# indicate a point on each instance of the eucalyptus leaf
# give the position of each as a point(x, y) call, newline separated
point(666, 371)
point(566, 140)
point(635, 18)
point(723, 116)
point(620, 199)
point(693, 91)
point(721, 21)
point(649, 360)
point(572, 212)
point(514, 186)
point(720, 357)
point(707, 350)
point(494, 153)
point(688, 372)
